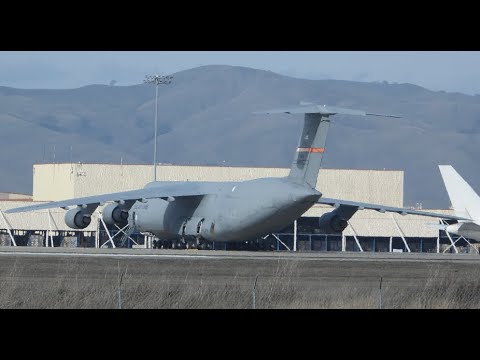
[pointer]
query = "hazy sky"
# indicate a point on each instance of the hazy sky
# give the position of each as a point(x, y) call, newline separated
point(436, 70)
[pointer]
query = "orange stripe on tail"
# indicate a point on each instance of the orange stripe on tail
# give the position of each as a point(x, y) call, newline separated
point(311, 150)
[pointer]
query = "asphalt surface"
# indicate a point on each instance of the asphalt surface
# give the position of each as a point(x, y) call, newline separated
point(351, 269)
point(263, 255)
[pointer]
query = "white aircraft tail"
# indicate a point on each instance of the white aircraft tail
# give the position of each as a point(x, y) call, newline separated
point(465, 201)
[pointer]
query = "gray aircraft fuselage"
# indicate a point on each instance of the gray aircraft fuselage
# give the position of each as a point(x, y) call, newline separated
point(238, 211)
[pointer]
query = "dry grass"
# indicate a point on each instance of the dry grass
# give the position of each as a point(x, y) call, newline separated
point(283, 287)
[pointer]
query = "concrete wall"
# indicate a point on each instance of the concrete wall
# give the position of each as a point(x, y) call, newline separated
point(54, 181)
point(373, 186)
point(63, 181)
point(13, 196)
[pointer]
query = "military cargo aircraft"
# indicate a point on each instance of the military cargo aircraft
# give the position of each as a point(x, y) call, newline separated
point(231, 211)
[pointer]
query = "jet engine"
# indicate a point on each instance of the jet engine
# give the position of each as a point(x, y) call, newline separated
point(332, 223)
point(116, 213)
point(336, 221)
point(78, 218)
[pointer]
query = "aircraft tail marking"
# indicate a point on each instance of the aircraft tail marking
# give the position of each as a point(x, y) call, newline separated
point(311, 147)
point(311, 150)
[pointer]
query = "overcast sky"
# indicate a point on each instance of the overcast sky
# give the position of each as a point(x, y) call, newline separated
point(454, 71)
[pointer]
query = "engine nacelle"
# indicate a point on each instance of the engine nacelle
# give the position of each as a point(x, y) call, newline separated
point(332, 223)
point(151, 216)
point(336, 221)
point(78, 218)
point(116, 214)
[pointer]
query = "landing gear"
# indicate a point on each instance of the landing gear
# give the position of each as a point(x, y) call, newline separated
point(178, 244)
point(183, 243)
point(204, 245)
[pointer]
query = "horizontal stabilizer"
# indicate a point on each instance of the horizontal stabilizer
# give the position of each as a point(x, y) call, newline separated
point(308, 108)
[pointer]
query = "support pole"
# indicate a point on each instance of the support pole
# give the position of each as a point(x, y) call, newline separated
point(50, 220)
point(468, 242)
point(157, 80)
point(453, 243)
point(122, 230)
point(108, 232)
point(155, 136)
point(97, 235)
point(391, 244)
point(276, 237)
point(355, 236)
point(401, 233)
point(344, 243)
point(295, 235)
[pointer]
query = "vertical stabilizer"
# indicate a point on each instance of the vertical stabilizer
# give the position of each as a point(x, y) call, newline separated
point(311, 147)
point(464, 199)
point(310, 150)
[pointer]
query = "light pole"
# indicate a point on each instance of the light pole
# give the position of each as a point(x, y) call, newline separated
point(157, 80)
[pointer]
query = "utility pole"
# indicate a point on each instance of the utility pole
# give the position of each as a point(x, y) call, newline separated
point(157, 80)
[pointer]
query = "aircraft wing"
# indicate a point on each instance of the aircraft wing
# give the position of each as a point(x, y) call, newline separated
point(383, 208)
point(158, 191)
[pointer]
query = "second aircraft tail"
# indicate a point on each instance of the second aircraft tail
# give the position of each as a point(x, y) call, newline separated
point(464, 199)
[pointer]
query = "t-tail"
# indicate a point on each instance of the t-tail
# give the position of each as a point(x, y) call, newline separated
point(465, 201)
point(311, 146)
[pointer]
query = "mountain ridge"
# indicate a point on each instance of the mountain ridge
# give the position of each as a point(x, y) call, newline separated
point(205, 117)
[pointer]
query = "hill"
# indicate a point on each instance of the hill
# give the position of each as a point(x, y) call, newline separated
point(205, 117)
